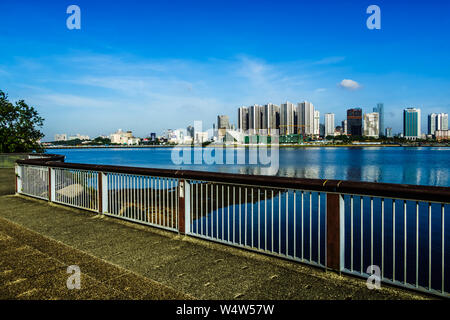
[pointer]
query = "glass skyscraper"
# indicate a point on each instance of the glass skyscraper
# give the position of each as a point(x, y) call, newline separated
point(380, 109)
point(411, 123)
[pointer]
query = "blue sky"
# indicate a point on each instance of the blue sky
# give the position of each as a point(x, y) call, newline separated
point(150, 65)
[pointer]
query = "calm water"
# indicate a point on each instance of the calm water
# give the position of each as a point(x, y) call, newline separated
point(422, 166)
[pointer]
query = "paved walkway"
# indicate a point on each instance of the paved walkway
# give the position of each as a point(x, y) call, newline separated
point(121, 260)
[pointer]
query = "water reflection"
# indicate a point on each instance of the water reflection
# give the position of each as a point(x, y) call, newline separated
point(425, 166)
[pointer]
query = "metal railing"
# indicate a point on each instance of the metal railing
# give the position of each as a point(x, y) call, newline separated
point(340, 225)
point(284, 222)
point(144, 199)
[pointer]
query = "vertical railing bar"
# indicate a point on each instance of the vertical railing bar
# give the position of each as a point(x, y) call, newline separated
point(310, 226)
point(393, 240)
point(430, 235)
point(196, 206)
point(152, 201)
point(295, 224)
point(351, 233)
point(272, 223)
point(442, 246)
point(201, 208)
point(240, 215)
point(303, 225)
point(245, 218)
point(228, 213)
point(318, 228)
point(279, 222)
point(252, 224)
point(223, 213)
point(405, 242)
point(234, 215)
point(287, 222)
point(361, 209)
point(206, 210)
point(172, 208)
point(382, 238)
point(417, 244)
point(259, 220)
point(160, 205)
point(371, 230)
point(212, 210)
point(265, 219)
point(217, 211)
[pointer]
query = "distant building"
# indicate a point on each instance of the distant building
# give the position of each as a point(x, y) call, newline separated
point(437, 121)
point(153, 137)
point(344, 127)
point(306, 119)
point(79, 137)
point(316, 124)
point(411, 123)
point(201, 137)
point(329, 124)
point(388, 132)
point(287, 118)
point(442, 135)
point(270, 117)
point(243, 119)
point(371, 125)
point(255, 118)
point(321, 130)
point(380, 110)
point(190, 131)
point(223, 122)
point(354, 121)
point(121, 137)
point(61, 137)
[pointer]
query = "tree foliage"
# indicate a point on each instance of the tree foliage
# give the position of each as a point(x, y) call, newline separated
point(19, 126)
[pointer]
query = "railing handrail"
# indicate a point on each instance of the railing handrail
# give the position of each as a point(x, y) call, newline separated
point(375, 189)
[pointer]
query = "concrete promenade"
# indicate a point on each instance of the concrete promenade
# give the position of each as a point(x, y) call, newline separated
point(121, 260)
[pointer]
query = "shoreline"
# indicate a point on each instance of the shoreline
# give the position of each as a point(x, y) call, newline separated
point(253, 146)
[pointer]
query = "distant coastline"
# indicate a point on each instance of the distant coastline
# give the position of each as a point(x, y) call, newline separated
point(252, 146)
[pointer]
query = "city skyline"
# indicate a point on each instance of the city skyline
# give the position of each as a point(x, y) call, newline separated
point(128, 68)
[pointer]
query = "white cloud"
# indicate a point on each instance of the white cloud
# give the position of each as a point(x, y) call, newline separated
point(349, 84)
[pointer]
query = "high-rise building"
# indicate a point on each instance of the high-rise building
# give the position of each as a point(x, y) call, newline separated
point(316, 124)
point(321, 130)
point(287, 118)
point(329, 124)
point(243, 121)
point(270, 114)
point(190, 131)
point(223, 122)
point(255, 119)
point(388, 132)
point(344, 127)
point(431, 123)
point(380, 110)
point(61, 137)
point(354, 121)
point(305, 118)
point(437, 121)
point(411, 123)
point(442, 122)
point(372, 125)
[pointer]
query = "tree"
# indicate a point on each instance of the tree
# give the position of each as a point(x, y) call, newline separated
point(19, 125)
